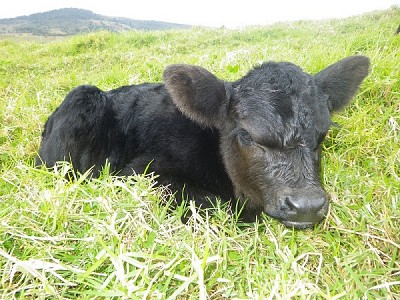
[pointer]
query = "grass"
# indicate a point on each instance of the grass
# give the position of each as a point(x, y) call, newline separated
point(111, 238)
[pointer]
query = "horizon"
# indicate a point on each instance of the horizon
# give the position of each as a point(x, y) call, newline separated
point(208, 13)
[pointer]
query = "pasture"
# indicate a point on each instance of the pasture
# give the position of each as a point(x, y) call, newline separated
point(111, 238)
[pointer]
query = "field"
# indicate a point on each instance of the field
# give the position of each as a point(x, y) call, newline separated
point(111, 238)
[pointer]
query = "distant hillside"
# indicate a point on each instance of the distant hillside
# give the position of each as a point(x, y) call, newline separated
point(70, 21)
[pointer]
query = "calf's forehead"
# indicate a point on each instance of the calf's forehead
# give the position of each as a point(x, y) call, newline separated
point(280, 98)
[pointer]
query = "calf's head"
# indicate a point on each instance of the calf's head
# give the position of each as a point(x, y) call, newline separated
point(272, 122)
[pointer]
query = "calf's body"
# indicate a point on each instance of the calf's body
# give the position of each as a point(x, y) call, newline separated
point(256, 140)
point(136, 128)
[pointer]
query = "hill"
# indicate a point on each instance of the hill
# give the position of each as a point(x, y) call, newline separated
point(71, 21)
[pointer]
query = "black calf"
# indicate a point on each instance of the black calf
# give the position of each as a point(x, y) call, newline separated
point(257, 139)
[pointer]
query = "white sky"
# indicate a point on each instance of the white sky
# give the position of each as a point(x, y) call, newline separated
point(230, 13)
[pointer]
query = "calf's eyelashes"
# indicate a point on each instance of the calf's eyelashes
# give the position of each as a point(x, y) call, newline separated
point(245, 137)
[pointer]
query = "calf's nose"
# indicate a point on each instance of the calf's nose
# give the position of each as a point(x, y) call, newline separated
point(302, 208)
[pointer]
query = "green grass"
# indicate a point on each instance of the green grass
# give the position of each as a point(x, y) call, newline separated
point(111, 237)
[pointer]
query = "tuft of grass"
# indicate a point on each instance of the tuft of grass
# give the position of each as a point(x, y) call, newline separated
point(115, 237)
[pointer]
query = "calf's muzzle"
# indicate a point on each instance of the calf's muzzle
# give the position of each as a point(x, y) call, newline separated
point(301, 207)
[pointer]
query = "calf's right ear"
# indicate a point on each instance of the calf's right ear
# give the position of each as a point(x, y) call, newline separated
point(198, 94)
point(341, 80)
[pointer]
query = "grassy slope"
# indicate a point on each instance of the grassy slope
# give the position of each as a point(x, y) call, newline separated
point(109, 237)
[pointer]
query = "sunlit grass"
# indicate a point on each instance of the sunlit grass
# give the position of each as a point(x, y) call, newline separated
point(115, 237)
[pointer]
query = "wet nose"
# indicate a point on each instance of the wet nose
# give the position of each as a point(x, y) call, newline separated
point(302, 205)
point(302, 208)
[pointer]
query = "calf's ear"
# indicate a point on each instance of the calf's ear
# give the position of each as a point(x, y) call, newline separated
point(198, 94)
point(341, 80)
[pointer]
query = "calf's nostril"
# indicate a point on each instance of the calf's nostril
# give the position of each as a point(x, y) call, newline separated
point(290, 203)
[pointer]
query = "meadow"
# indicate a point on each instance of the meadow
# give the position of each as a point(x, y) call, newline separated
point(111, 238)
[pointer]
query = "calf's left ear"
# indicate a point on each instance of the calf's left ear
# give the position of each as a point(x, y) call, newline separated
point(198, 94)
point(341, 80)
